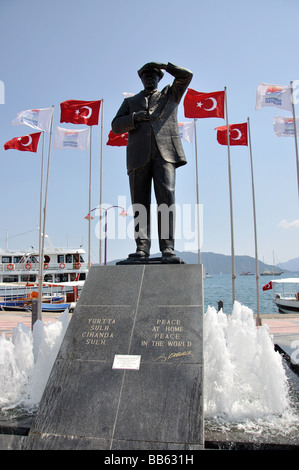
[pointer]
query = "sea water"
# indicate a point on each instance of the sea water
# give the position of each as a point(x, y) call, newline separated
point(219, 287)
point(245, 382)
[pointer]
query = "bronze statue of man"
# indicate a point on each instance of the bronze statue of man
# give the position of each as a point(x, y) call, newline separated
point(154, 151)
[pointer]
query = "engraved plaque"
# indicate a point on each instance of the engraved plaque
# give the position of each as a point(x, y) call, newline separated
point(126, 361)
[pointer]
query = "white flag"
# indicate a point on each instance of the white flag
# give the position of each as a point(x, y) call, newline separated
point(284, 126)
point(37, 118)
point(273, 95)
point(186, 131)
point(69, 139)
point(126, 94)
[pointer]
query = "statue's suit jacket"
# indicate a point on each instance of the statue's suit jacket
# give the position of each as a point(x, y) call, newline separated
point(162, 108)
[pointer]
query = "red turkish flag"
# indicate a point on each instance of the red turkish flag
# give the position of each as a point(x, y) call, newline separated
point(204, 105)
point(26, 143)
point(268, 286)
point(117, 140)
point(80, 112)
point(237, 134)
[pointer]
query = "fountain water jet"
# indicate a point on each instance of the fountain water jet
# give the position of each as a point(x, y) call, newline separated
point(26, 361)
point(244, 375)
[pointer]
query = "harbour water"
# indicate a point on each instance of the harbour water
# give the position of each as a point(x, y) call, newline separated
point(219, 287)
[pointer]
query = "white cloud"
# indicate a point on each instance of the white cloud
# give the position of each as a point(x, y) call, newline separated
point(286, 225)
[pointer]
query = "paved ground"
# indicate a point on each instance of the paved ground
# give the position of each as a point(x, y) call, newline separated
point(285, 333)
point(9, 320)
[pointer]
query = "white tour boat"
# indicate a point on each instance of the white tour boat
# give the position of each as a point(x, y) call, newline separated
point(64, 269)
point(60, 265)
point(286, 294)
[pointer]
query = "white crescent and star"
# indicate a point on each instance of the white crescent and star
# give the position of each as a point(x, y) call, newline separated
point(29, 140)
point(89, 112)
point(214, 104)
point(238, 136)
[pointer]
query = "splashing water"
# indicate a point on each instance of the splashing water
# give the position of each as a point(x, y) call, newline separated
point(246, 388)
point(244, 378)
point(26, 361)
point(244, 375)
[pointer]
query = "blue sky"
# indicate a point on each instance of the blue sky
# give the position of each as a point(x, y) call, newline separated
point(59, 50)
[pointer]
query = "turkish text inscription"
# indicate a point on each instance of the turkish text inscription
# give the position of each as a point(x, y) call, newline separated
point(99, 331)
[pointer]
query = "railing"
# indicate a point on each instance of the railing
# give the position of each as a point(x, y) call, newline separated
point(34, 267)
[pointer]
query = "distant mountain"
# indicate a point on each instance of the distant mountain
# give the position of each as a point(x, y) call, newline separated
point(215, 263)
point(291, 265)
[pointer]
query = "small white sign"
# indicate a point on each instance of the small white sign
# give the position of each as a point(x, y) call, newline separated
point(125, 361)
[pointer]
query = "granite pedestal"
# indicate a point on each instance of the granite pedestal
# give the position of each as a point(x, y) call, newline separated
point(129, 373)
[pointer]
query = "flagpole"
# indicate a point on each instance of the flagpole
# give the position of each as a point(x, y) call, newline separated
point(101, 185)
point(258, 319)
point(89, 204)
point(295, 134)
point(231, 205)
point(41, 261)
point(40, 270)
point(197, 193)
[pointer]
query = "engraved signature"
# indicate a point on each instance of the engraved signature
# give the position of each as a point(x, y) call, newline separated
point(174, 355)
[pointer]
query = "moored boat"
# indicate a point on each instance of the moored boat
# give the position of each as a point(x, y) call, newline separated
point(64, 274)
point(56, 307)
point(56, 297)
point(271, 273)
point(286, 294)
point(60, 265)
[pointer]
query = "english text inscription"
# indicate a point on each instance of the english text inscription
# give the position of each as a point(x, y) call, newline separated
point(168, 333)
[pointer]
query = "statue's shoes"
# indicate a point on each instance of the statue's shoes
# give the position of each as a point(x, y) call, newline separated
point(139, 254)
point(168, 253)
